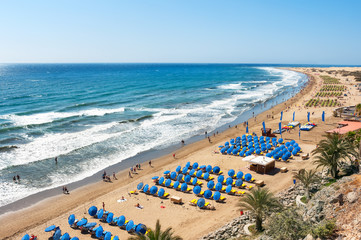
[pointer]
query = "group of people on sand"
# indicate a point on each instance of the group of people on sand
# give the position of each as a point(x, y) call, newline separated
point(16, 179)
point(65, 190)
point(133, 170)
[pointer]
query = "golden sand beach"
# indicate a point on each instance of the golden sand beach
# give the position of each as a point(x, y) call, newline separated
point(187, 221)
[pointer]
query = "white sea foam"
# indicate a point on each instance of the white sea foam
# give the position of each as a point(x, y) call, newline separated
point(47, 117)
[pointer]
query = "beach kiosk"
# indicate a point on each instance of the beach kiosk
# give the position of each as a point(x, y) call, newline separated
point(262, 164)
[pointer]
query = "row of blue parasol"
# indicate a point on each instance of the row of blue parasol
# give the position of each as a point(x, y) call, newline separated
point(56, 235)
point(160, 193)
point(120, 221)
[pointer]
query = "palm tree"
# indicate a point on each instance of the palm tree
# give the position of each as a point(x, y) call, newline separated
point(332, 151)
point(260, 202)
point(157, 234)
point(307, 178)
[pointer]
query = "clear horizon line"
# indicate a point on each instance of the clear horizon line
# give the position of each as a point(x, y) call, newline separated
point(220, 63)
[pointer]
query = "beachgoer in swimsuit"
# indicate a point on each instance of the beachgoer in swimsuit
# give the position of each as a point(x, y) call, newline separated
point(56, 160)
point(14, 179)
point(18, 177)
point(114, 177)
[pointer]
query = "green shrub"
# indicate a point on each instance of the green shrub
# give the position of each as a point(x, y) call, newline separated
point(324, 230)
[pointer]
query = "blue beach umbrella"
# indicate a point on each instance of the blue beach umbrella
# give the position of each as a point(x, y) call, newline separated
point(115, 238)
point(121, 221)
point(99, 231)
point(155, 178)
point(199, 173)
point(57, 235)
point(220, 178)
point(180, 177)
point(188, 164)
point(216, 169)
point(161, 180)
point(130, 225)
point(99, 213)
point(323, 116)
point(218, 186)
point(207, 194)
point(248, 177)
point(184, 187)
point(209, 168)
point(308, 116)
point(217, 196)
point(231, 173)
point(139, 186)
point(83, 222)
point(26, 237)
point(195, 165)
point(184, 170)
point(210, 184)
point(168, 182)
point(228, 189)
point(194, 181)
point(197, 189)
point(140, 228)
point(269, 155)
point(239, 182)
point(187, 179)
point(76, 238)
point(229, 181)
point(206, 176)
point(203, 167)
point(281, 116)
point(65, 236)
point(201, 202)
point(50, 228)
point(71, 219)
point(108, 236)
point(110, 217)
point(176, 184)
point(178, 169)
point(161, 192)
point(191, 172)
point(91, 224)
point(173, 175)
point(146, 188)
point(293, 119)
point(166, 172)
point(92, 210)
point(153, 190)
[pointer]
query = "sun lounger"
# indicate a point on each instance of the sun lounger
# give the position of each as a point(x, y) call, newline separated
point(240, 193)
point(135, 192)
point(232, 192)
point(305, 156)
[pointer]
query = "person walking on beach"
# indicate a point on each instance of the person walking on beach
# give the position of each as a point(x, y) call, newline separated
point(209, 139)
point(130, 175)
point(205, 133)
point(103, 206)
point(114, 177)
point(150, 163)
point(182, 142)
point(173, 155)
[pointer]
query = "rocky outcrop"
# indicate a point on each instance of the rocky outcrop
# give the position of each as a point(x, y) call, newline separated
point(231, 230)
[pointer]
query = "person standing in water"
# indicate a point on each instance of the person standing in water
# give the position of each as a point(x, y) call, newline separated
point(56, 160)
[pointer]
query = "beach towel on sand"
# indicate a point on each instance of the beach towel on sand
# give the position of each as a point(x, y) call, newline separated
point(121, 200)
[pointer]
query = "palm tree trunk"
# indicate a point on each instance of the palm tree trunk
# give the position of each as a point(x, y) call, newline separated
point(259, 223)
point(307, 192)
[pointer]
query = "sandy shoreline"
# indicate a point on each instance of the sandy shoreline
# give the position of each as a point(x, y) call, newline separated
point(55, 210)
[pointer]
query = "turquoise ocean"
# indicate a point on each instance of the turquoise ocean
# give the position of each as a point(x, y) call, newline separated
point(92, 116)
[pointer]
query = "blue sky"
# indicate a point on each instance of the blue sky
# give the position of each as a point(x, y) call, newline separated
point(188, 31)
